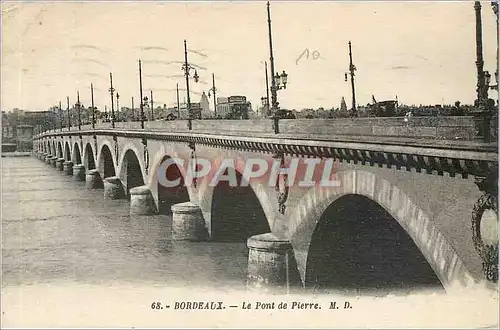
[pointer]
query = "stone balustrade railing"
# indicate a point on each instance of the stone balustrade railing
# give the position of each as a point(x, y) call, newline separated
point(438, 128)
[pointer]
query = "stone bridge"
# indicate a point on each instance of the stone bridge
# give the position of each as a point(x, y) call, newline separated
point(414, 203)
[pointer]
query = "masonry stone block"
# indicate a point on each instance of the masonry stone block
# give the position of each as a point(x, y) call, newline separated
point(269, 260)
point(93, 180)
point(68, 167)
point(79, 172)
point(60, 164)
point(188, 223)
point(113, 188)
point(53, 161)
point(141, 201)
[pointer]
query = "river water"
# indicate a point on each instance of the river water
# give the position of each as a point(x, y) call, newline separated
point(72, 259)
point(54, 229)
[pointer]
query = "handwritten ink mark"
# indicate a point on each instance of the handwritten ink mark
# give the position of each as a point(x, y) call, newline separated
point(315, 55)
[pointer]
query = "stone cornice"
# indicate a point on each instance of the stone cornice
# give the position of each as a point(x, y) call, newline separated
point(433, 157)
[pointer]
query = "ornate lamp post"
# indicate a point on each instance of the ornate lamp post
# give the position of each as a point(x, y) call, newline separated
point(69, 115)
point(277, 79)
point(494, 5)
point(187, 68)
point(145, 102)
point(78, 107)
point(352, 68)
point(140, 89)
point(267, 90)
point(484, 106)
point(112, 91)
point(213, 90)
point(60, 117)
point(486, 207)
point(265, 106)
point(117, 106)
point(93, 108)
point(152, 107)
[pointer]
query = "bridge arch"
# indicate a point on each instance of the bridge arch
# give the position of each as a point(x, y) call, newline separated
point(318, 214)
point(255, 189)
point(106, 162)
point(67, 151)
point(236, 212)
point(131, 170)
point(168, 196)
point(59, 150)
point(88, 157)
point(76, 155)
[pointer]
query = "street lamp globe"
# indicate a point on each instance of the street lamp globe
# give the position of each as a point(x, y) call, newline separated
point(196, 77)
point(277, 77)
point(284, 78)
point(487, 78)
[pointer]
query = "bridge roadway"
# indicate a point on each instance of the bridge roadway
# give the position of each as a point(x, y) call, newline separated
point(427, 183)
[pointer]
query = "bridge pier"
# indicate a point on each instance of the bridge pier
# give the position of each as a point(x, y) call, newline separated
point(60, 164)
point(68, 167)
point(113, 188)
point(141, 201)
point(79, 172)
point(53, 161)
point(269, 261)
point(93, 180)
point(188, 223)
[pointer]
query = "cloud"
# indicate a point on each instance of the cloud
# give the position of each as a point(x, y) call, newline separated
point(83, 46)
point(154, 48)
point(197, 52)
point(401, 67)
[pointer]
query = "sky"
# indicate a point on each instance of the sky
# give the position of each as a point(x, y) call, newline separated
point(422, 52)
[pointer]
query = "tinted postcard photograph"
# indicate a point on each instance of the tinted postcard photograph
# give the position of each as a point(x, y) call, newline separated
point(249, 164)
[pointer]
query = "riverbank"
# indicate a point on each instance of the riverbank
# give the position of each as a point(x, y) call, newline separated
point(16, 154)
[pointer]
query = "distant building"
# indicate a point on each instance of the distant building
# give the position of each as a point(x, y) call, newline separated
point(205, 106)
point(387, 108)
point(7, 129)
point(24, 135)
point(195, 110)
point(233, 107)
